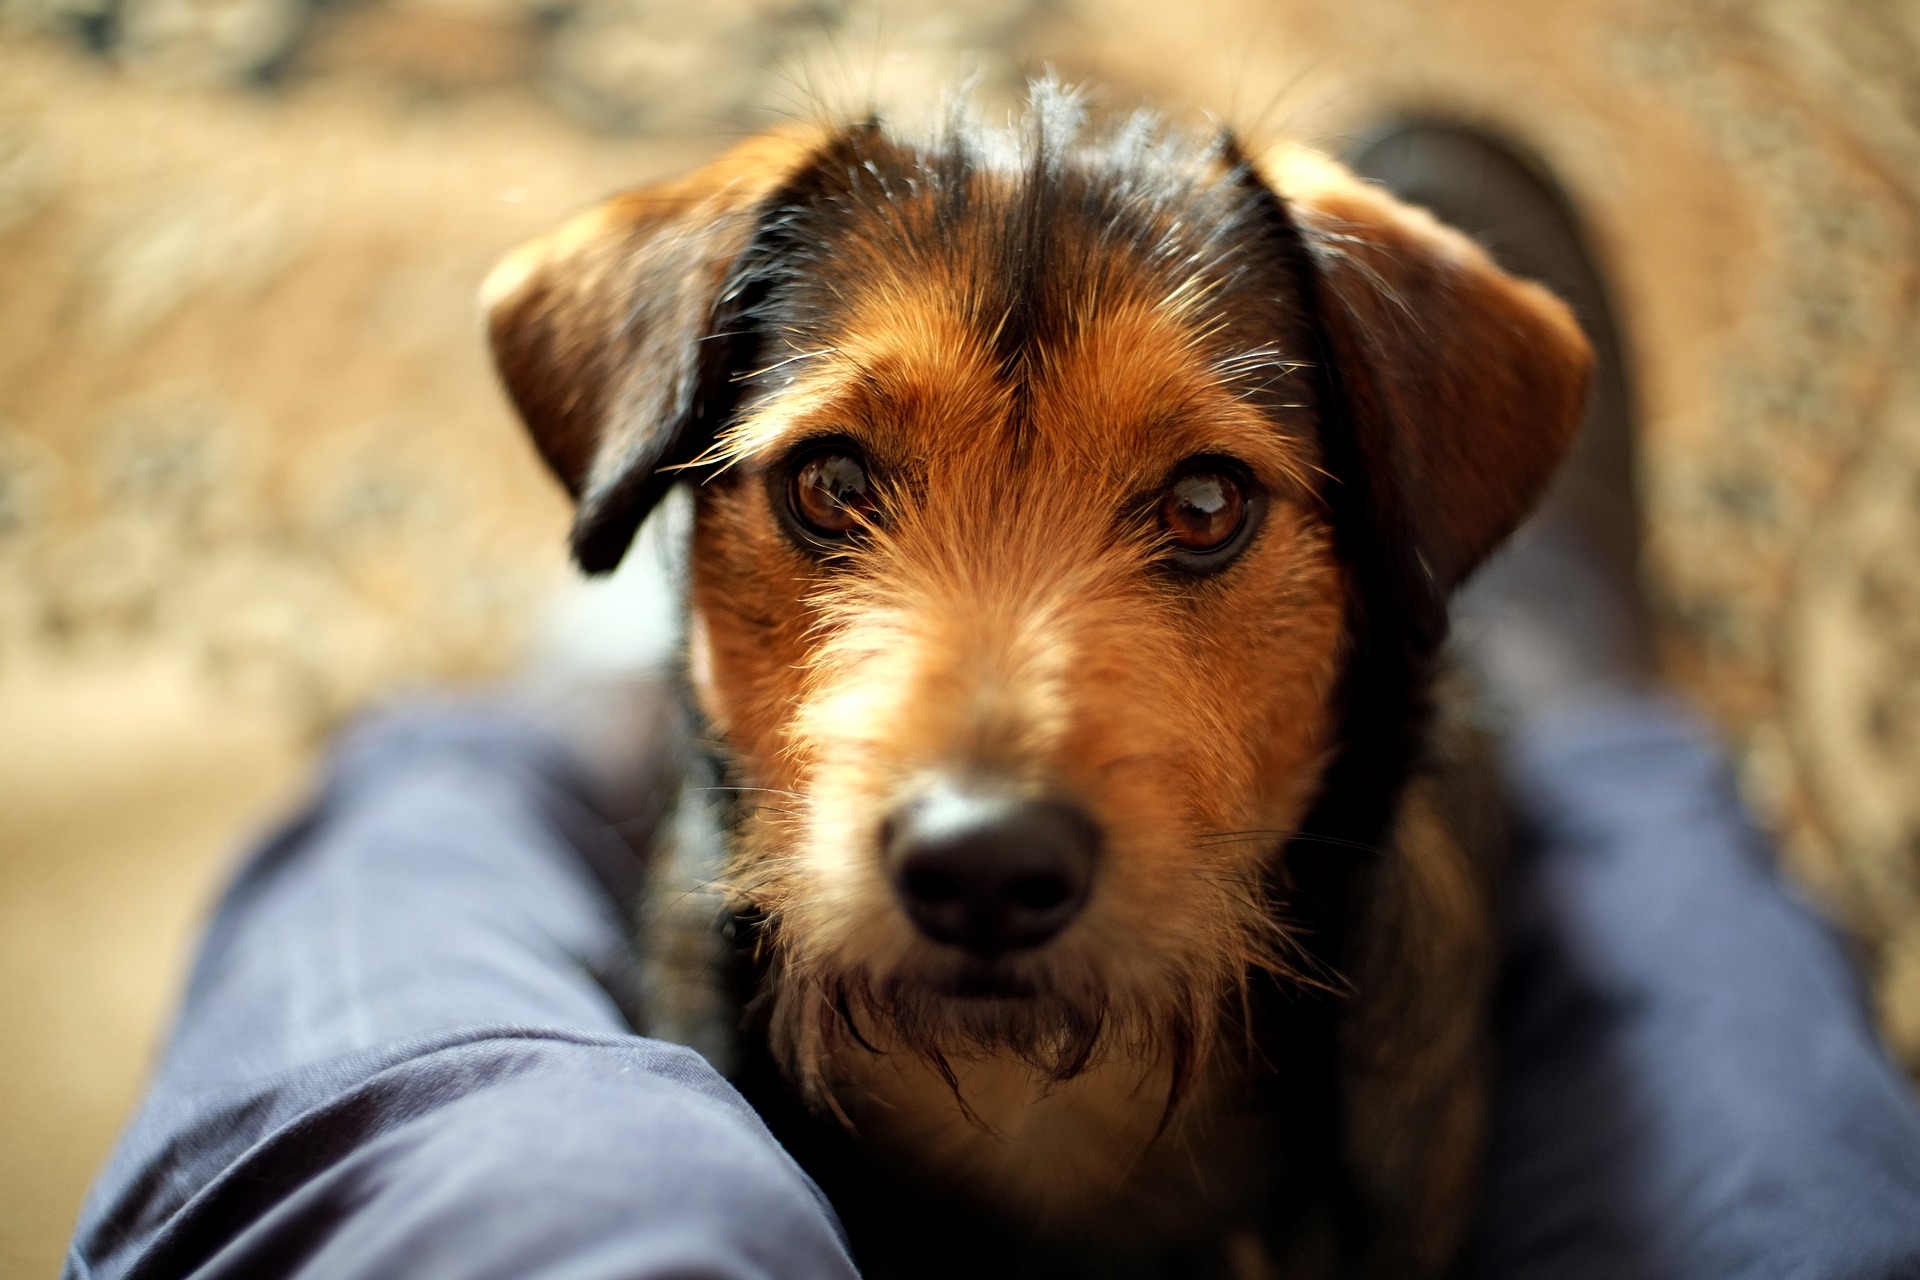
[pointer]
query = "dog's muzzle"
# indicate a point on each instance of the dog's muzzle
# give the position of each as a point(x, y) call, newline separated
point(987, 869)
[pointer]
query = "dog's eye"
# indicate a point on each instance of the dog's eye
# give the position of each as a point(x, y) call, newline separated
point(830, 494)
point(1203, 509)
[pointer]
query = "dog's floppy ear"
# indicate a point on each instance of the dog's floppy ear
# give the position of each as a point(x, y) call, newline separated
point(1465, 385)
point(612, 335)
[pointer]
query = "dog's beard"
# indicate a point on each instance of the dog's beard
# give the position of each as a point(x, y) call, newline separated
point(821, 1018)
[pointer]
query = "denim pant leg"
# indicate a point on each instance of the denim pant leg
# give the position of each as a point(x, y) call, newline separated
point(406, 1051)
point(1690, 1084)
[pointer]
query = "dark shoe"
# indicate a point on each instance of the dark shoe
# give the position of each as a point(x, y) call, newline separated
point(1556, 617)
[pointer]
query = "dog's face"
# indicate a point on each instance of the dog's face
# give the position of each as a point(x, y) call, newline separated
point(1015, 595)
point(1018, 596)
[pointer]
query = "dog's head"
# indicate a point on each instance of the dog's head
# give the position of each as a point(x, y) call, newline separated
point(1046, 486)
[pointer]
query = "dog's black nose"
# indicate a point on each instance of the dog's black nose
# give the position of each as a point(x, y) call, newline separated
point(987, 870)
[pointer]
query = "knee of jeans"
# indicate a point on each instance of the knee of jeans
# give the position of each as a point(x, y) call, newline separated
point(635, 1160)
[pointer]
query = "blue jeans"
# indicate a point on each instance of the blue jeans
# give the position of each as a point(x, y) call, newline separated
point(407, 1047)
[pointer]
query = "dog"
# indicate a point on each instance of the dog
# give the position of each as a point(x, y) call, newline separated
point(1075, 510)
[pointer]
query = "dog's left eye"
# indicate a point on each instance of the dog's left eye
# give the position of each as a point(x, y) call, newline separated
point(830, 494)
point(1203, 509)
point(1208, 511)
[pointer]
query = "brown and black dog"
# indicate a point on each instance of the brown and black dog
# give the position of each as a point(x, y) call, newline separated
point(1075, 513)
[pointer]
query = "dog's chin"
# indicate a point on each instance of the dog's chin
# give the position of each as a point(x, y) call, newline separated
point(1060, 1009)
point(1044, 1010)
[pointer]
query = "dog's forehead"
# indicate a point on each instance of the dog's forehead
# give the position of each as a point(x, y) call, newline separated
point(1130, 391)
point(1123, 299)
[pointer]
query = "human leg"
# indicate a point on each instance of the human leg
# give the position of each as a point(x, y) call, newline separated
point(1690, 1085)
point(406, 1049)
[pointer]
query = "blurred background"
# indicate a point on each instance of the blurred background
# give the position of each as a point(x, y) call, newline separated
point(254, 469)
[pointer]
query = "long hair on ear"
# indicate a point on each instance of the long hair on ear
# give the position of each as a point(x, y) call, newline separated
point(618, 335)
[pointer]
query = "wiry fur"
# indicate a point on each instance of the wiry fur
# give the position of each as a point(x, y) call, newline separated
point(1258, 1044)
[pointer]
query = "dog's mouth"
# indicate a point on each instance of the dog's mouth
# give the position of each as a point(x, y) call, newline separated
point(987, 980)
point(965, 1008)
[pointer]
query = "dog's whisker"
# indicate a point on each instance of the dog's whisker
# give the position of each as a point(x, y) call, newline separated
point(845, 1010)
point(1211, 838)
point(777, 365)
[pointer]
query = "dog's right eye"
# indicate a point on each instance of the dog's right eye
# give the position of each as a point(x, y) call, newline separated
point(830, 494)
